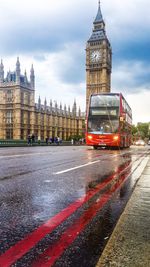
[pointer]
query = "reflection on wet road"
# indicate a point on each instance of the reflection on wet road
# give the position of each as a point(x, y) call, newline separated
point(59, 205)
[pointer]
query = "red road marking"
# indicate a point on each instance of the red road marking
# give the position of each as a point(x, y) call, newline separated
point(22, 247)
point(49, 257)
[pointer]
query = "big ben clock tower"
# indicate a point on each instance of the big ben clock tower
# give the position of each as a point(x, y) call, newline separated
point(98, 59)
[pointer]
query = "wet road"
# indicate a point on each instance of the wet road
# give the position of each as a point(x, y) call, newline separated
point(59, 205)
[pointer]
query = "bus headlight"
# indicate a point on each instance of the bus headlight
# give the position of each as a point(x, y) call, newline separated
point(89, 137)
point(116, 137)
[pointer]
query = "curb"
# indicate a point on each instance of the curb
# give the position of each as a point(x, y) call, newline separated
point(129, 244)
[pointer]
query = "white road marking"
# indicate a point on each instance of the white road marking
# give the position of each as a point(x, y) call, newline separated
point(89, 163)
point(81, 166)
point(77, 167)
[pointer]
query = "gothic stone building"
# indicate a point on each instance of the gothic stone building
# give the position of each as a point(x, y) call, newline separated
point(98, 59)
point(21, 116)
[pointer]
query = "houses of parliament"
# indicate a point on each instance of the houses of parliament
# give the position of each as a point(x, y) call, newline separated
point(20, 116)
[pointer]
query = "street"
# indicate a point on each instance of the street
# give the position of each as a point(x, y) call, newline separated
point(59, 205)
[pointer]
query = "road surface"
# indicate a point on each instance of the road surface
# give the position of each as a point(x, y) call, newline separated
point(59, 205)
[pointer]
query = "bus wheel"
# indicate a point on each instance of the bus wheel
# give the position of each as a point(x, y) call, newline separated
point(95, 147)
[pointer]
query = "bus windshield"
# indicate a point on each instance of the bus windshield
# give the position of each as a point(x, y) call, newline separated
point(102, 125)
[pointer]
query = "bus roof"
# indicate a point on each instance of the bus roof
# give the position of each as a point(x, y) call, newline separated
point(106, 94)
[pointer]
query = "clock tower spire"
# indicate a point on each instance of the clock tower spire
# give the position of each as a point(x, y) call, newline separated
point(98, 59)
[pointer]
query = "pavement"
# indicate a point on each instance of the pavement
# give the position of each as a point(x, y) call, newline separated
point(129, 244)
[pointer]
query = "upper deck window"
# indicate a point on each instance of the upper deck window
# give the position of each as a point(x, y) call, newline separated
point(105, 101)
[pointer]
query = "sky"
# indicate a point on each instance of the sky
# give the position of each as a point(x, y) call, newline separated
point(52, 36)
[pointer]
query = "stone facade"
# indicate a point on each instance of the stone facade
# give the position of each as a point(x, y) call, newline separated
point(98, 59)
point(21, 116)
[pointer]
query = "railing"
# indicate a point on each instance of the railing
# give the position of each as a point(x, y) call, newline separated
point(13, 142)
point(19, 143)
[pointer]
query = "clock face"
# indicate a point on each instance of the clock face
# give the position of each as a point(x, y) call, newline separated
point(95, 56)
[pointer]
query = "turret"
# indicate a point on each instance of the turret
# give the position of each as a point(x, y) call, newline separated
point(56, 106)
point(32, 77)
point(65, 109)
point(79, 112)
point(1, 72)
point(45, 104)
point(74, 108)
point(25, 77)
point(69, 109)
point(8, 76)
point(18, 71)
point(51, 104)
point(39, 103)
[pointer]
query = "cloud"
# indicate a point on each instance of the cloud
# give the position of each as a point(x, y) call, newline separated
point(47, 25)
point(140, 106)
point(52, 35)
point(131, 76)
point(40, 26)
point(127, 20)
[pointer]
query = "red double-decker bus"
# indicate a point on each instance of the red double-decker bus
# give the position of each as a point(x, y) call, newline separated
point(109, 121)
